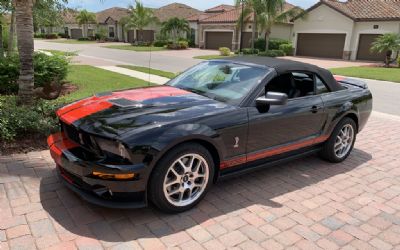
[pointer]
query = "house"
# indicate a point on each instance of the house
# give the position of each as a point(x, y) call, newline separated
point(217, 27)
point(345, 29)
point(163, 14)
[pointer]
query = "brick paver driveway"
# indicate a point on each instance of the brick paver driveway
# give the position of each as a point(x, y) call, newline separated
point(306, 204)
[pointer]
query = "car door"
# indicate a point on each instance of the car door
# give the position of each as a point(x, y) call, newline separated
point(284, 128)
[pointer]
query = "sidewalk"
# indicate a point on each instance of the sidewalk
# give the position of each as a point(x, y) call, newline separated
point(133, 73)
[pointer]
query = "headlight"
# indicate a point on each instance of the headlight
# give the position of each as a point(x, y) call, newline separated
point(114, 147)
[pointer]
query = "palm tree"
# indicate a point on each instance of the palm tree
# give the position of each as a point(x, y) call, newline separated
point(24, 21)
point(176, 27)
point(1, 38)
point(140, 17)
point(84, 18)
point(250, 7)
point(387, 43)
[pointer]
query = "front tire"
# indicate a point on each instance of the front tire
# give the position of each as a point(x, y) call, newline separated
point(181, 178)
point(341, 142)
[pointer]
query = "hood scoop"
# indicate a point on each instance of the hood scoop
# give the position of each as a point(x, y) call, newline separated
point(125, 103)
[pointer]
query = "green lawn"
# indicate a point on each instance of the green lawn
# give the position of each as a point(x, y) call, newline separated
point(91, 80)
point(72, 41)
point(157, 72)
point(135, 48)
point(61, 53)
point(211, 57)
point(384, 74)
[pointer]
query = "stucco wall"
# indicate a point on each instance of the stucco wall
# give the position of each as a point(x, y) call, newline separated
point(368, 28)
point(324, 19)
point(282, 31)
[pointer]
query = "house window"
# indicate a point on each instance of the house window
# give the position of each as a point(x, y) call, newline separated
point(42, 30)
point(111, 32)
point(376, 27)
point(66, 31)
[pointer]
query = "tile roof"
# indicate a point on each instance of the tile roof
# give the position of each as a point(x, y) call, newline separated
point(231, 16)
point(220, 8)
point(365, 10)
point(115, 13)
point(175, 10)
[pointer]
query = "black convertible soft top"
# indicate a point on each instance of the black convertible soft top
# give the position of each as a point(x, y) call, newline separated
point(283, 66)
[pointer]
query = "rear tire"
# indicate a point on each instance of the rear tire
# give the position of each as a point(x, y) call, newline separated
point(181, 178)
point(341, 142)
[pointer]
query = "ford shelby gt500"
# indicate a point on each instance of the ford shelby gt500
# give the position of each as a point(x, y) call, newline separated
point(168, 144)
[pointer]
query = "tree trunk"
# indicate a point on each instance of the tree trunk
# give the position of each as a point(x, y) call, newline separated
point(388, 58)
point(1, 42)
point(267, 34)
point(253, 31)
point(24, 21)
point(11, 36)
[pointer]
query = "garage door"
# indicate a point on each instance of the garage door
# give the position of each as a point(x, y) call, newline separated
point(321, 45)
point(364, 48)
point(216, 40)
point(145, 35)
point(131, 36)
point(76, 33)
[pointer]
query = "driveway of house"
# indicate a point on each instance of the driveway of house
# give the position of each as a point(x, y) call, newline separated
point(305, 204)
point(327, 63)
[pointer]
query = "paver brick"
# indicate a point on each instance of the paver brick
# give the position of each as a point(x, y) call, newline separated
point(17, 231)
point(232, 239)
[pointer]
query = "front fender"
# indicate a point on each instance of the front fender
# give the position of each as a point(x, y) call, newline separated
point(183, 133)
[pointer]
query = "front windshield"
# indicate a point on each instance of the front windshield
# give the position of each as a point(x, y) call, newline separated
point(220, 80)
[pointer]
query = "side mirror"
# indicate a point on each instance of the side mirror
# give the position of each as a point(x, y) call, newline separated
point(273, 98)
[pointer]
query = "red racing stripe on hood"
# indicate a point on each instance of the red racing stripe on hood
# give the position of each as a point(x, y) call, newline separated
point(78, 110)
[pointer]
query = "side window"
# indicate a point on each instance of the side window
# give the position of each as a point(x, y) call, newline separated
point(295, 84)
point(320, 86)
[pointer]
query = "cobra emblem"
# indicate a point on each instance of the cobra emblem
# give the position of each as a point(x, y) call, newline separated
point(236, 142)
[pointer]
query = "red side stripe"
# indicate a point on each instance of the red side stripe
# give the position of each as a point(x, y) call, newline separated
point(271, 152)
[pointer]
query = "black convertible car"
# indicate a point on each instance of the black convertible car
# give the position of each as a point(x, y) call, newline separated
point(168, 144)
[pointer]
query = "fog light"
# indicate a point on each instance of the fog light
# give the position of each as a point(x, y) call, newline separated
point(113, 176)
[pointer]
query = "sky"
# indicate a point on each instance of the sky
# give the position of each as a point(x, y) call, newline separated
point(96, 5)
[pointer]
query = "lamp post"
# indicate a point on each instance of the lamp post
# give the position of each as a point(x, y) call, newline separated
point(241, 28)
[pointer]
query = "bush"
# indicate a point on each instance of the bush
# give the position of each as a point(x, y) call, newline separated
point(38, 35)
point(398, 61)
point(178, 46)
point(84, 39)
point(160, 43)
point(272, 53)
point(249, 51)
point(260, 44)
point(50, 36)
point(274, 43)
point(224, 51)
point(63, 35)
point(287, 49)
point(17, 121)
point(47, 70)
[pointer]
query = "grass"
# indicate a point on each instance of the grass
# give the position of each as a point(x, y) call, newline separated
point(211, 57)
point(91, 80)
point(376, 73)
point(135, 48)
point(72, 41)
point(157, 72)
point(61, 53)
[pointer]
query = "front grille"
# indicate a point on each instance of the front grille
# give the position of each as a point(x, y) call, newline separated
point(82, 139)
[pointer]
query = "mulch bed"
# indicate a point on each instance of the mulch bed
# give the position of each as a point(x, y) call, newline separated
point(24, 145)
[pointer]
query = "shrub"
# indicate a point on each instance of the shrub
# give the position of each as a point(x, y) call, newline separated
point(63, 35)
point(178, 46)
point(160, 43)
point(38, 35)
point(51, 36)
point(17, 121)
point(272, 53)
point(287, 49)
point(398, 61)
point(84, 39)
point(249, 51)
point(47, 70)
point(274, 43)
point(260, 44)
point(224, 51)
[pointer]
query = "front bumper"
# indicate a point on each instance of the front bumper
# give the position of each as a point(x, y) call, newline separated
point(75, 166)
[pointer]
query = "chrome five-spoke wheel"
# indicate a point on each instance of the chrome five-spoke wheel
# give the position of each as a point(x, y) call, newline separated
point(344, 141)
point(186, 180)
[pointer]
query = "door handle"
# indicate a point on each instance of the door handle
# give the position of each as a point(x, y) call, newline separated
point(315, 109)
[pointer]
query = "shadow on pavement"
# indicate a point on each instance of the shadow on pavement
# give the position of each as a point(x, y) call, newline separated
point(263, 188)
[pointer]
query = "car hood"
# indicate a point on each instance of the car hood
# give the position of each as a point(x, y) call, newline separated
point(113, 114)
